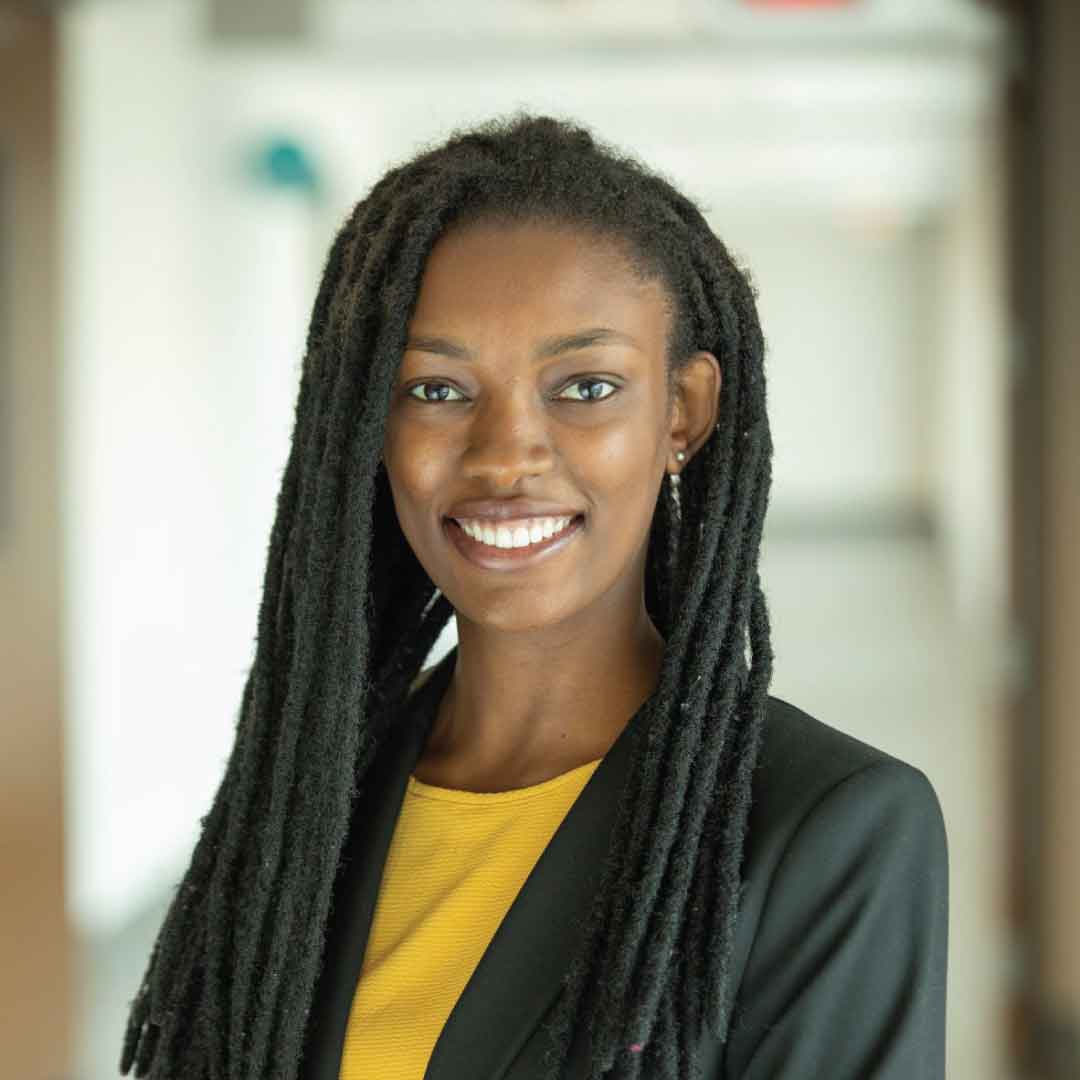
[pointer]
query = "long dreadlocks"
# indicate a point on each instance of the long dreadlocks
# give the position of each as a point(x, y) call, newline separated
point(348, 617)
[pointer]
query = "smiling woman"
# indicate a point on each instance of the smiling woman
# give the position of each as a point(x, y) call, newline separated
point(526, 454)
point(587, 842)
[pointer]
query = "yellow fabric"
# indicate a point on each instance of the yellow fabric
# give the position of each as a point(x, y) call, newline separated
point(456, 861)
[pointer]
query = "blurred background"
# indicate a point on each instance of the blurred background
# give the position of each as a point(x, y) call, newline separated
point(901, 177)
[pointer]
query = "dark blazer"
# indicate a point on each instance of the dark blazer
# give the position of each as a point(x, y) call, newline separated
point(840, 951)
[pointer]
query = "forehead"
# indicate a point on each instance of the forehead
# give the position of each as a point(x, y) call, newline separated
point(547, 276)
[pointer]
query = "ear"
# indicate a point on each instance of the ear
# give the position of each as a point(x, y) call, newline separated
point(695, 407)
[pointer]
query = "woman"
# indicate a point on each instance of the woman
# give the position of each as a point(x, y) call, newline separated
point(588, 841)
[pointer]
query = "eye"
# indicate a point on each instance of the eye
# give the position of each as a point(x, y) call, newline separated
point(594, 382)
point(428, 400)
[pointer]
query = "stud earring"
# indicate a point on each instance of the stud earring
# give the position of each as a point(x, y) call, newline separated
point(680, 455)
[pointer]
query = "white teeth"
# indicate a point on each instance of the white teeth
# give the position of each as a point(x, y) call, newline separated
point(518, 534)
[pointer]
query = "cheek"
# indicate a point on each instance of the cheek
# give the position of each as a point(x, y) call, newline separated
point(622, 465)
point(417, 479)
point(415, 466)
point(421, 474)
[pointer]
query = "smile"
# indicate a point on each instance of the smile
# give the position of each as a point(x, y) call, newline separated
point(511, 544)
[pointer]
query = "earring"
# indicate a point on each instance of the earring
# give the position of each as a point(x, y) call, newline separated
point(673, 478)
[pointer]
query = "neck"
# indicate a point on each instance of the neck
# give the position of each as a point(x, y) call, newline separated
point(519, 709)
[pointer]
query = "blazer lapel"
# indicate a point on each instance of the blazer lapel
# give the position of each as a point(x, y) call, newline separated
point(493, 1032)
point(519, 977)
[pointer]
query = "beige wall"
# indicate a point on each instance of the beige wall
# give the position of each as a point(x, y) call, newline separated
point(36, 973)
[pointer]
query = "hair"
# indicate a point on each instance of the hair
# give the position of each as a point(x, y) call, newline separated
point(348, 617)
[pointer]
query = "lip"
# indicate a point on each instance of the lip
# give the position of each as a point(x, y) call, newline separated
point(493, 558)
point(508, 509)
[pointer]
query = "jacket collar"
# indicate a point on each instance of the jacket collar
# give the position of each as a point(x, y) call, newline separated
point(519, 976)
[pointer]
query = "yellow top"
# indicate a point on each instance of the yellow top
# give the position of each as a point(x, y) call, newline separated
point(456, 861)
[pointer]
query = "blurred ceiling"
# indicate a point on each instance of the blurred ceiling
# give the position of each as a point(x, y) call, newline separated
point(865, 105)
point(577, 23)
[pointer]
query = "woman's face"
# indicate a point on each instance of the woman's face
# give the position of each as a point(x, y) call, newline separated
point(533, 387)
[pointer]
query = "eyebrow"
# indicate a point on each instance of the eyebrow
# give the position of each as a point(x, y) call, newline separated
point(551, 346)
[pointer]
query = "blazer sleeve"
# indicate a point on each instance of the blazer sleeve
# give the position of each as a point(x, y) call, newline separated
point(846, 977)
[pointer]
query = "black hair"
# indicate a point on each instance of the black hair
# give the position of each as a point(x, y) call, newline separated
point(348, 617)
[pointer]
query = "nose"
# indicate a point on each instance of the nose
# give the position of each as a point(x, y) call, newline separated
point(508, 438)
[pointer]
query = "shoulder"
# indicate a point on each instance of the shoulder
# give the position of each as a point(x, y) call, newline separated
point(843, 907)
point(804, 761)
point(830, 810)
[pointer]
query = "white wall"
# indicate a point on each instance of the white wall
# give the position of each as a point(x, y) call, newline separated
point(846, 310)
point(169, 447)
